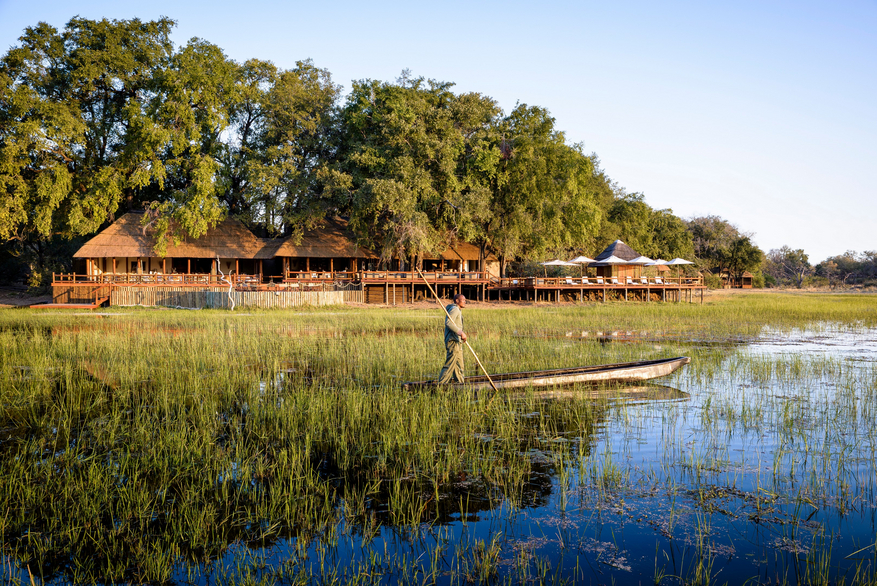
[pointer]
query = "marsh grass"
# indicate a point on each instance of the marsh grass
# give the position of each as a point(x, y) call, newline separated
point(155, 446)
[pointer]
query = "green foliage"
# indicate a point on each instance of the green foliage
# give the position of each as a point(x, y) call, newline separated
point(74, 132)
point(787, 266)
point(721, 248)
point(545, 199)
point(108, 115)
point(849, 268)
point(653, 233)
point(413, 165)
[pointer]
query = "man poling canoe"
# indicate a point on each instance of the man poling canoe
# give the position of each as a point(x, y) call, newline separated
point(453, 370)
point(465, 339)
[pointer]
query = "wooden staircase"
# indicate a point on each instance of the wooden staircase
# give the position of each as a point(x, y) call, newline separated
point(101, 296)
point(97, 303)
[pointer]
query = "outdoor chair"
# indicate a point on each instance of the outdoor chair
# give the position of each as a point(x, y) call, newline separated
point(614, 281)
point(628, 281)
point(599, 280)
point(585, 281)
point(659, 281)
point(643, 281)
point(569, 281)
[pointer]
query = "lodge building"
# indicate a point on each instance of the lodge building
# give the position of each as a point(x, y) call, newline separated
point(231, 266)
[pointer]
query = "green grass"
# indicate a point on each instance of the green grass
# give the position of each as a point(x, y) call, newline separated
point(142, 441)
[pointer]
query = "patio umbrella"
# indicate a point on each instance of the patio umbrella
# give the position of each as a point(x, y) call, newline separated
point(641, 261)
point(611, 260)
point(556, 263)
point(677, 262)
point(582, 261)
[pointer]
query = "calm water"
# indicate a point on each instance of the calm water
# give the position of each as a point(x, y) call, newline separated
point(766, 475)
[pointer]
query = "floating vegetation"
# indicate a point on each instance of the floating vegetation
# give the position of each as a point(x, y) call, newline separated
point(204, 447)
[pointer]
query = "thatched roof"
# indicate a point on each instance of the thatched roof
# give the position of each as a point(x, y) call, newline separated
point(126, 238)
point(619, 249)
point(330, 239)
point(464, 251)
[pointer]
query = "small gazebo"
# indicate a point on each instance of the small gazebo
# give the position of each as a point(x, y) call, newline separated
point(614, 261)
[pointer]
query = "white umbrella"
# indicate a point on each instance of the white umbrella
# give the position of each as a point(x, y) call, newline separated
point(611, 260)
point(676, 262)
point(555, 263)
point(655, 263)
point(582, 261)
point(641, 261)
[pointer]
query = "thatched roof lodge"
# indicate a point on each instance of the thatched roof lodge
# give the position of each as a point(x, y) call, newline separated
point(327, 251)
point(329, 246)
point(125, 247)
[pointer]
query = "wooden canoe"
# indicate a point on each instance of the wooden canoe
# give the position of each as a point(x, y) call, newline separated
point(625, 372)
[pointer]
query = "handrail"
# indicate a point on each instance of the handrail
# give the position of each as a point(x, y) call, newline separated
point(373, 277)
point(592, 282)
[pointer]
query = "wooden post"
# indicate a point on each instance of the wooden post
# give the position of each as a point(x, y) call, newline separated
point(332, 266)
point(114, 265)
point(237, 267)
point(164, 265)
point(188, 266)
point(308, 263)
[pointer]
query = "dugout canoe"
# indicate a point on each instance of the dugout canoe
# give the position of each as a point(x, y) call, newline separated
point(625, 372)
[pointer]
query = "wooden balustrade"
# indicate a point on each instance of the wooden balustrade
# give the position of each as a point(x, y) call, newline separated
point(385, 276)
point(597, 282)
point(397, 277)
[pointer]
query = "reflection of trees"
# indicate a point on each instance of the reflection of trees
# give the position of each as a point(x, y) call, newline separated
point(129, 509)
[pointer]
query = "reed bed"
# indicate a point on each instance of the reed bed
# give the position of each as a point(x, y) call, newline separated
point(214, 447)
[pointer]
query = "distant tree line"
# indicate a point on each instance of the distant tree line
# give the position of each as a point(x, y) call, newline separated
point(108, 116)
point(785, 267)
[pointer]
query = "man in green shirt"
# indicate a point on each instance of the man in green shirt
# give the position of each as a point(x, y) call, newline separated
point(452, 371)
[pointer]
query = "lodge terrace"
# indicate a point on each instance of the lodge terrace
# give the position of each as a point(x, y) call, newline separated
point(230, 266)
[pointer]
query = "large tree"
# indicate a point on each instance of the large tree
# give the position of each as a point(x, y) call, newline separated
point(75, 136)
point(409, 165)
point(720, 247)
point(787, 266)
point(651, 232)
point(282, 132)
point(545, 198)
point(105, 114)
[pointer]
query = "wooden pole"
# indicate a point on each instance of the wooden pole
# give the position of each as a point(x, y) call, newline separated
point(439, 301)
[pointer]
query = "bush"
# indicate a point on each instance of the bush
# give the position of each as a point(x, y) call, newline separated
point(712, 281)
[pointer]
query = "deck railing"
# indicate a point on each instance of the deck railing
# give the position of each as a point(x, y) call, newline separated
point(155, 279)
point(597, 282)
point(371, 277)
point(385, 276)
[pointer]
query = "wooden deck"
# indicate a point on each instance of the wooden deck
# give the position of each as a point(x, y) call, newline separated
point(385, 287)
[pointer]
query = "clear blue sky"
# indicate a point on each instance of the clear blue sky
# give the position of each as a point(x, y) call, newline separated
point(764, 113)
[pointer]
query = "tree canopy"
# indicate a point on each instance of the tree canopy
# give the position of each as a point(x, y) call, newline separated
point(107, 116)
